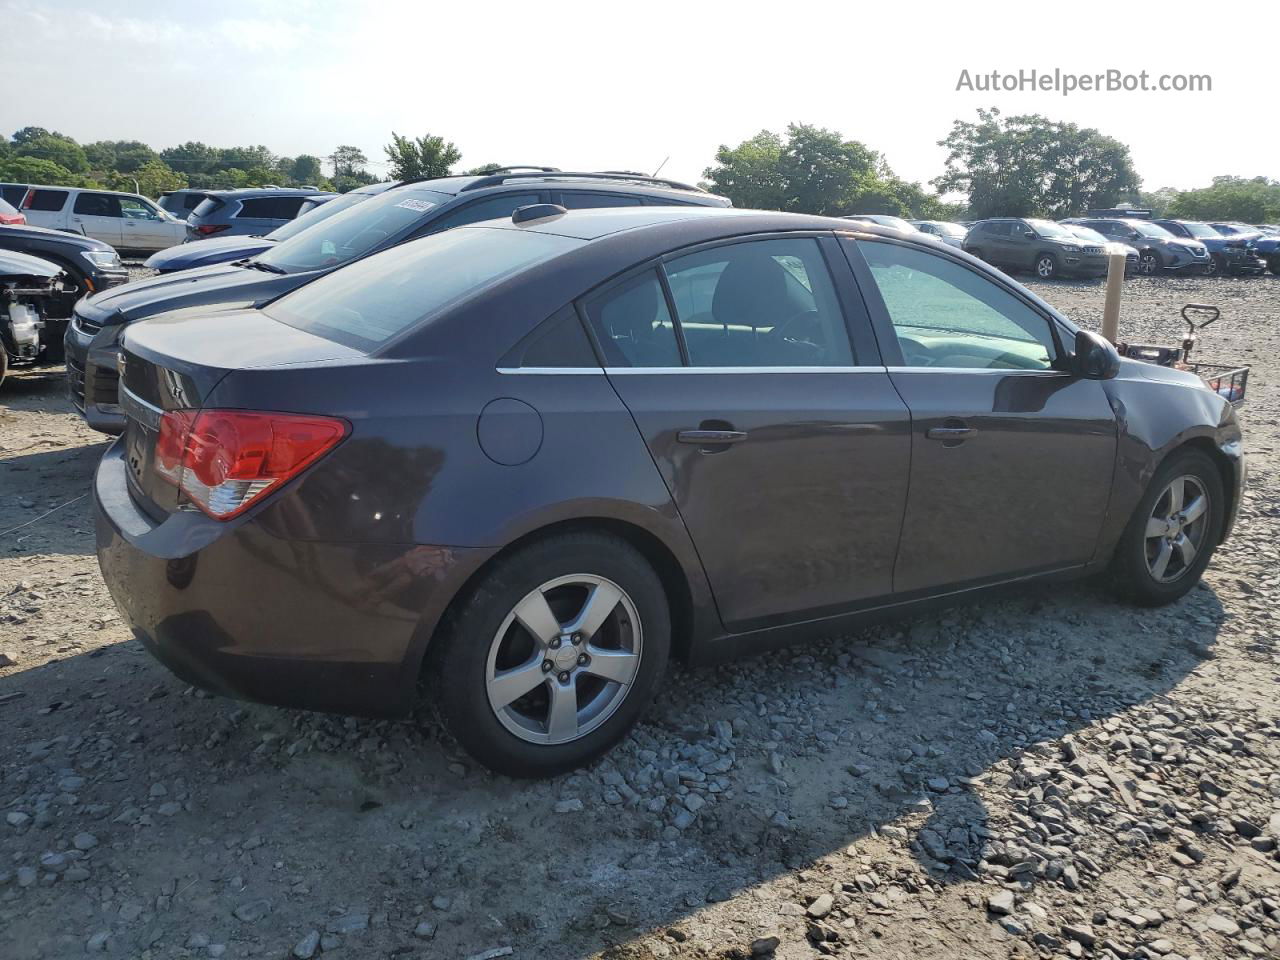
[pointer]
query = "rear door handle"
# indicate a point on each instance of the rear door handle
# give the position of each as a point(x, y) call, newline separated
point(949, 433)
point(707, 437)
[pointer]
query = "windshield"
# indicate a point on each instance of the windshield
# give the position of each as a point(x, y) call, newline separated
point(369, 302)
point(353, 232)
point(951, 230)
point(313, 216)
point(887, 221)
point(1201, 231)
point(1088, 235)
point(1150, 229)
point(1047, 228)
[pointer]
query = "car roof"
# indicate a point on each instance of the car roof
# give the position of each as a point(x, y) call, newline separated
point(242, 192)
point(551, 180)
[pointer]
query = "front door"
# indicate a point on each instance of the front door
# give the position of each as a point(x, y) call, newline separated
point(1012, 457)
point(785, 450)
point(97, 215)
point(143, 228)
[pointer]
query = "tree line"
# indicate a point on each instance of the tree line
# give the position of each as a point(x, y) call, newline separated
point(1025, 165)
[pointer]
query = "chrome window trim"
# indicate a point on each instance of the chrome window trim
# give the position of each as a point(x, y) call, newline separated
point(990, 371)
point(688, 370)
point(553, 371)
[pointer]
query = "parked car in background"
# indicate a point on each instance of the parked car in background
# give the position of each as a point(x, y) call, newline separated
point(1045, 248)
point(402, 213)
point(124, 220)
point(952, 234)
point(12, 193)
point(1094, 238)
point(1159, 251)
point(88, 265)
point(9, 215)
point(252, 212)
point(180, 203)
point(1266, 246)
point(26, 286)
point(892, 416)
point(1227, 254)
point(223, 249)
point(884, 220)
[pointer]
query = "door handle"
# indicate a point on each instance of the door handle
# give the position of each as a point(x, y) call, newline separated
point(706, 437)
point(952, 434)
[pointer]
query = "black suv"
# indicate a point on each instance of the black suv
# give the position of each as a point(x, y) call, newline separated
point(1041, 246)
point(406, 212)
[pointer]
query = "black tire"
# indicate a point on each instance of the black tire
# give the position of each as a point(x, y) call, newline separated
point(1273, 264)
point(4, 364)
point(458, 662)
point(1149, 263)
point(1046, 266)
point(1130, 573)
point(976, 252)
point(1217, 266)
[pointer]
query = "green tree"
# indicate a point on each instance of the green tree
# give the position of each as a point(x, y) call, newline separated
point(246, 158)
point(426, 156)
point(153, 178)
point(27, 134)
point(348, 161)
point(1255, 200)
point(101, 155)
point(192, 157)
point(750, 174)
point(19, 169)
point(1031, 166)
point(55, 148)
point(132, 155)
point(306, 169)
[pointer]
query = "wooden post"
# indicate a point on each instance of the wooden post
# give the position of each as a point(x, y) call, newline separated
point(1111, 306)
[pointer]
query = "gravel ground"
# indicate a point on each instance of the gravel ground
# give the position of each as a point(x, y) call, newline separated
point(1052, 774)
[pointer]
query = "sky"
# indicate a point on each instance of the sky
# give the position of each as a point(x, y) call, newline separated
point(599, 86)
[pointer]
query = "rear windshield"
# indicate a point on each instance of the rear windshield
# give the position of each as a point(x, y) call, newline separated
point(46, 200)
point(355, 231)
point(207, 206)
point(309, 218)
point(368, 303)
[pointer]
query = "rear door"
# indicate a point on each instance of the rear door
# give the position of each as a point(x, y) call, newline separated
point(1012, 457)
point(97, 215)
point(752, 373)
point(44, 207)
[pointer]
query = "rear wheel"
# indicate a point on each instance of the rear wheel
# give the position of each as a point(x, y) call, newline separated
point(1046, 266)
point(1173, 532)
point(1273, 264)
point(1217, 265)
point(554, 655)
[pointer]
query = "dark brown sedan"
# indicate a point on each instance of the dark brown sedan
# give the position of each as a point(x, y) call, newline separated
point(523, 463)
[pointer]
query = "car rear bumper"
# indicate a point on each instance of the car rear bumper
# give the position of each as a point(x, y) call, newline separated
point(235, 609)
point(93, 382)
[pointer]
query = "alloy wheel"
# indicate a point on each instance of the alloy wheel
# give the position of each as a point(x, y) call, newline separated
point(1176, 528)
point(1147, 263)
point(1045, 267)
point(564, 659)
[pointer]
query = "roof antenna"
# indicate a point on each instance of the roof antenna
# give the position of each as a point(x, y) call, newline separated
point(660, 166)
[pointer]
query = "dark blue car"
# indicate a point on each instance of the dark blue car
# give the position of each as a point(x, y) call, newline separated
point(1266, 246)
point(205, 253)
point(1228, 255)
point(254, 211)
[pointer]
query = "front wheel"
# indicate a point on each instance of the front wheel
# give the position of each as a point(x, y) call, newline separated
point(1149, 263)
point(554, 655)
point(1273, 264)
point(1217, 265)
point(1173, 532)
point(1046, 266)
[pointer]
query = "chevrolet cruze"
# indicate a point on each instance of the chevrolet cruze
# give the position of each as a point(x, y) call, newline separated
point(516, 466)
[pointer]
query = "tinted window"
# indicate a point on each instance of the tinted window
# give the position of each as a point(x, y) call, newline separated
point(191, 200)
point(946, 315)
point(493, 208)
point(207, 206)
point(97, 205)
point(13, 195)
point(582, 201)
point(558, 342)
point(1000, 229)
point(370, 302)
point(355, 231)
point(135, 209)
point(47, 200)
point(766, 303)
point(633, 325)
point(271, 208)
point(309, 218)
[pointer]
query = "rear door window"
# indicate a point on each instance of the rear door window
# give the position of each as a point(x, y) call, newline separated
point(270, 208)
point(491, 208)
point(97, 205)
point(208, 206)
point(13, 195)
point(46, 200)
point(573, 200)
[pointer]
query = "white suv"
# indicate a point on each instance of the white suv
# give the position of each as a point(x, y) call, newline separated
point(124, 220)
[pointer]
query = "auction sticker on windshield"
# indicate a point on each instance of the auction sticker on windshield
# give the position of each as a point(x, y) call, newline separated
point(412, 204)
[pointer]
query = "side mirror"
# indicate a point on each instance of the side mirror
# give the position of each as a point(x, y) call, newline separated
point(1029, 233)
point(1096, 358)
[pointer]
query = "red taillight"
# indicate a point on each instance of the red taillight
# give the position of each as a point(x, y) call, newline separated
point(12, 219)
point(209, 229)
point(227, 460)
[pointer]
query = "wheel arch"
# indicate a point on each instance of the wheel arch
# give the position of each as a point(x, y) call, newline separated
point(1226, 471)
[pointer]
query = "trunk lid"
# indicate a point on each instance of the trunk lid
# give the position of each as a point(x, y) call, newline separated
point(175, 362)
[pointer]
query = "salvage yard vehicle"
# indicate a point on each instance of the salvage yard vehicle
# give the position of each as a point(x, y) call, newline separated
point(1094, 238)
point(952, 234)
point(1265, 244)
point(1228, 256)
point(884, 220)
point(26, 285)
point(400, 214)
point(1159, 251)
point(89, 266)
point(224, 249)
point(124, 220)
point(10, 216)
point(526, 461)
point(251, 212)
point(180, 203)
point(1047, 249)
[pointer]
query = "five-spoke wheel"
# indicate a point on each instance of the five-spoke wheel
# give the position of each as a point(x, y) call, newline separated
point(1175, 529)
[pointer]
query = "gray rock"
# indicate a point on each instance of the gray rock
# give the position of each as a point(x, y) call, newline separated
point(441, 902)
point(1223, 925)
point(425, 930)
point(17, 819)
point(251, 911)
point(306, 948)
point(1080, 934)
point(821, 906)
point(1001, 903)
point(350, 923)
point(84, 841)
point(98, 942)
point(571, 805)
point(764, 946)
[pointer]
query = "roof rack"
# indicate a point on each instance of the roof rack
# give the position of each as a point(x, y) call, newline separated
point(493, 180)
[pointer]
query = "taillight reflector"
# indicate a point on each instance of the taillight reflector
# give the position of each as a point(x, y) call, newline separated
point(227, 460)
point(209, 229)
